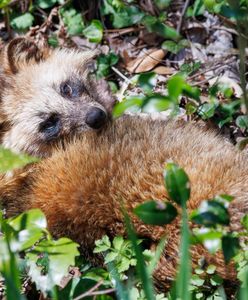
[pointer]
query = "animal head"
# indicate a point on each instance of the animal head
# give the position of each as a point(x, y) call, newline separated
point(48, 95)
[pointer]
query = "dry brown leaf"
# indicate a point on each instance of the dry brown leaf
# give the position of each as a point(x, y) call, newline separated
point(162, 70)
point(146, 62)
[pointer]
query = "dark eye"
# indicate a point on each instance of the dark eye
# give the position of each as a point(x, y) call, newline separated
point(72, 88)
point(66, 90)
point(51, 126)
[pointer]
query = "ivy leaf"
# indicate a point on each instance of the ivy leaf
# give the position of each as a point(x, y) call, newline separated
point(242, 122)
point(177, 184)
point(10, 160)
point(174, 47)
point(207, 110)
point(22, 22)
point(60, 254)
point(156, 212)
point(94, 32)
point(73, 21)
point(104, 64)
point(122, 15)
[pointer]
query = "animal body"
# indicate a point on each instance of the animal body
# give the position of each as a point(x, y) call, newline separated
point(48, 96)
point(81, 189)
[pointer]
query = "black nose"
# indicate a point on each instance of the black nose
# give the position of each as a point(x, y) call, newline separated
point(96, 118)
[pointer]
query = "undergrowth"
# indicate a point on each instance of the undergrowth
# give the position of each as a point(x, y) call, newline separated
point(29, 256)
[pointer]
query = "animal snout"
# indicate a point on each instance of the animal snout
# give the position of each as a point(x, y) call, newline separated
point(96, 118)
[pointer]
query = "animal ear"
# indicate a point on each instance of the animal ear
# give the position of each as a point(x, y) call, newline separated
point(18, 53)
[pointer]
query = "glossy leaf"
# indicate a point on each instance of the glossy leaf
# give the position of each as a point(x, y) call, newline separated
point(230, 247)
point(156, 212)
point(211, 213)
point(147, 81)
point(156, 103)
point(130, 103)
point(22, 22)
point(177, 184)
point(94, 32)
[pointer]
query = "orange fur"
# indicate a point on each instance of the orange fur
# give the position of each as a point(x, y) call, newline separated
point(81, 189)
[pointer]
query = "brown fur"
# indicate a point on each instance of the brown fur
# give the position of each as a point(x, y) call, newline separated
point(31, 81)
point(81, 189)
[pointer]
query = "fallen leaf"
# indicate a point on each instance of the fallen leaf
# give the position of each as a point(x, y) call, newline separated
point(162, 70)
point(146, 62)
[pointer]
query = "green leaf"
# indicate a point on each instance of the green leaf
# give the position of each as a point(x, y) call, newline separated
point(211, 239)
point(174, 47)
point(44, 4)
point(156, 102)
point(102, 245)
point(191, 108)
point(197, 280)
point(22, 22)
point(210, 213)
point(244, 222)
point(32, 219)
point(53, 41)
point(162, 4)
point(177, 184)
point(29, 228)
point(4, 3)
point(122, 15)
point(121, 107)
point(147, 81)
point(211, 269)
point(94, 32)
point(60, 254)
point(207, 110)
point(73, 21)
point(156, 212)
point(242, 121)
point(230, 247)
point(175, 87)
point(216, 280)
point(110, 257)
point(118, 242)
point(190, 68)
point(104, 64)
point(10, 160)
point(155, 25)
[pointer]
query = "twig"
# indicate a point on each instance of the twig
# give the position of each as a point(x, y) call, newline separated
point(214, 67)
point(121, 75)
point(102, 292)
point(179, 25)
point(90, 291)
